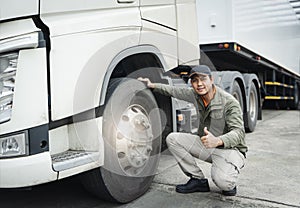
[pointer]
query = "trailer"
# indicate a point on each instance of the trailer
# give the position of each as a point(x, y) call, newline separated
point(255, 37)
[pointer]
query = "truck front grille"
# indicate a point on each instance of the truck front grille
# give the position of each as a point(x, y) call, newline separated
point(8, 68)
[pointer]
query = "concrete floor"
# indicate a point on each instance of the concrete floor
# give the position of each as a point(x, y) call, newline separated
point(272, 172)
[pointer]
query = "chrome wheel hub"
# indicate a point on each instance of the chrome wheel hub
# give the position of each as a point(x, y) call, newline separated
point(134, 140)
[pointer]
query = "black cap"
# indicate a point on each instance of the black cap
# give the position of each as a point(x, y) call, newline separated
point(201, 70)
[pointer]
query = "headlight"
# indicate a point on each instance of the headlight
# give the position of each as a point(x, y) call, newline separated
point(14, 145)
point(8, 67)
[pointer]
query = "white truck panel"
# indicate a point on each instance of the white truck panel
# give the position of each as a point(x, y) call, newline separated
point(16, 28)
point(58, 140)
point(88, 21)
point(15, 8)
point(79, 57)
point(83, 70)
point(58, 6)
point(26, 171)
point(268, 28)
point(159, 11)
point(163, 39)
point(180, 45)
point(30, 104)
point(87, 135)
point(156, 2)
point(187, 30)
point(214, 20)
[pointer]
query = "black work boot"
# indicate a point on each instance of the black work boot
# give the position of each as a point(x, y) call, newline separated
point(193, 185)
point(231, 192)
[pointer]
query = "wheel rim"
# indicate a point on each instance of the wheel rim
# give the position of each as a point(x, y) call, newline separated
point(252, 106)
point(134, 140)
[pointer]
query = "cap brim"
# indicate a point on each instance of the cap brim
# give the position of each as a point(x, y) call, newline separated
point(198, 73)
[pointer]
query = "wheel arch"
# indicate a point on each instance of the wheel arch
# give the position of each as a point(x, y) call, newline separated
point(241, 83)
point(151, 51)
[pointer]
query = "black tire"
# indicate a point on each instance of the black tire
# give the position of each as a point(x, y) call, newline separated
point(251, 116)
point(237, 93)
point(132, 142)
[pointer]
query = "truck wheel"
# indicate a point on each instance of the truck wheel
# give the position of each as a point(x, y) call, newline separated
point(251, 116)
point(237, 93)
point(132, 142)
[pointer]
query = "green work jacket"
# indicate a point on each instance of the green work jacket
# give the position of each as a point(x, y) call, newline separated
point(223, 116)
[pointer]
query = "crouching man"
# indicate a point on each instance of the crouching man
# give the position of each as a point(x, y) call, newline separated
point(220, 139)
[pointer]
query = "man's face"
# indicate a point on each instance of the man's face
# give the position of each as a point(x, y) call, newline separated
point(202, 84)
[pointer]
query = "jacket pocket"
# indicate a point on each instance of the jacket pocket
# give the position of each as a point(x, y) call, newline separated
point(217, 122)
point(216, 114)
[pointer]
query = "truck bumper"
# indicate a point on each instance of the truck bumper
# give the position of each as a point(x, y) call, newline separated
point(26, 171)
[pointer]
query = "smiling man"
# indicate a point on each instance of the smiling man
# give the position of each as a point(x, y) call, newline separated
point(220, 137)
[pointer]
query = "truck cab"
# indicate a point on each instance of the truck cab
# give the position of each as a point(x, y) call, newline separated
point(62, 64)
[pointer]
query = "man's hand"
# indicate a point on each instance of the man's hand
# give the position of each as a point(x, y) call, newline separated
point(210, 141)
point(148, 82)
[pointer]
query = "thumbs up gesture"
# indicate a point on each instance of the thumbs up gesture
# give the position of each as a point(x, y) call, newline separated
point(209, 140)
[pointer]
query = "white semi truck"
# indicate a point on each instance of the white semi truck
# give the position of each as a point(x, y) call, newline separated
point(69, 99)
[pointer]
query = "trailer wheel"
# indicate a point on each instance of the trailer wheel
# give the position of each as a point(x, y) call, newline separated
point(132, 142)
point(251, 116)
point(295, 103)
point(237, 93)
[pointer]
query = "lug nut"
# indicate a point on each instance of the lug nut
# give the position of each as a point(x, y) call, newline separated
point(125, 118)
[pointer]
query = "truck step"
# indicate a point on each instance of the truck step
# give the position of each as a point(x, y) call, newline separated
point(73, 158)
